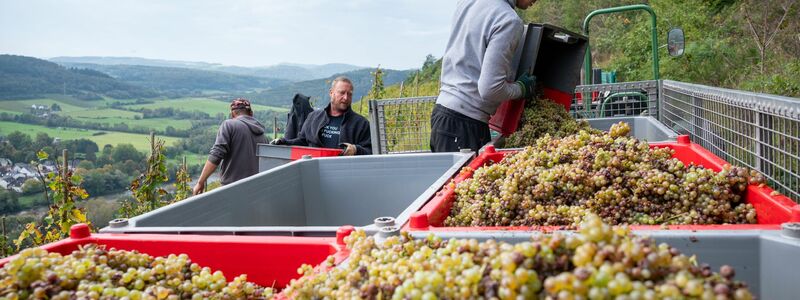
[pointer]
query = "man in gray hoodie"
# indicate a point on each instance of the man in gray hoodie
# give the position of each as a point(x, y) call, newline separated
point(235, 146)
point(477, 73)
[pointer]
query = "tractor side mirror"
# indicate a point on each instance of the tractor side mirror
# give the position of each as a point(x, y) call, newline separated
point(675, 42)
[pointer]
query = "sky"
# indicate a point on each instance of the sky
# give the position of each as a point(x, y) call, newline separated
point(395, 34)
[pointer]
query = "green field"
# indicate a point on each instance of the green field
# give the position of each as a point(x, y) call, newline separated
point(25, 105)
point(206, 105)
point(140, 141)
point(115, 116)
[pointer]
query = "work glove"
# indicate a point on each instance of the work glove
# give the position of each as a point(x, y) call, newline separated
point(348, 149)
point(527, 83)
point(278, 141)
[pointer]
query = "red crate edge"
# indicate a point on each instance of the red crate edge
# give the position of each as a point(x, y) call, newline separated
point(772, 210)
point(267, 260)
point(299, 151)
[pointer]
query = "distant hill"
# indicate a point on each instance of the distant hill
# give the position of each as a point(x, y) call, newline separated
point(24, 77)
point(318, 88)
point(292, 72)
point(184, 81)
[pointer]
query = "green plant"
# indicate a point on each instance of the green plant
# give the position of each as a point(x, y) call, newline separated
point(63, 212)
point(182, 180)
point(148, 191)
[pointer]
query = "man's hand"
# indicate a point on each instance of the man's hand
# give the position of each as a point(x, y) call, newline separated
point(349, 149)
point(527, 83)
point(198, 188)
point(278, 141)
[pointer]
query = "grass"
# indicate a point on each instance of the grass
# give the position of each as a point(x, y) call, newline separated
point(191, 158)
point(206, 105)
point(139, 141)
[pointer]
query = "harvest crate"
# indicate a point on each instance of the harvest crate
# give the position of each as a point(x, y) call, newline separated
point(267, 261)
point(765, 260)
point(308, 197)
point(772, 210)
point(554, 55)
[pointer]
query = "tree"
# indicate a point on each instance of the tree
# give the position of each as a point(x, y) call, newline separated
point(9, 202)
point(126, 152)
point(19, 140)
point(86, 165)
point(766, 20)
point(32, 186)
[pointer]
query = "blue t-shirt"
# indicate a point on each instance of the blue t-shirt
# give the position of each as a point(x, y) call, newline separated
point(330, 133)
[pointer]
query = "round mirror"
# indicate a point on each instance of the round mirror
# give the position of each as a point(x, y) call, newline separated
point(675, 42)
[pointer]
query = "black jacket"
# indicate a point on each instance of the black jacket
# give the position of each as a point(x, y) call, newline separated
point(297, 116)
point(354, 130)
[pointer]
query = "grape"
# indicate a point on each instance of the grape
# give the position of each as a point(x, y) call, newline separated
point(91, 272)
point(557, 181)
point(540, 117)
point(598, 262)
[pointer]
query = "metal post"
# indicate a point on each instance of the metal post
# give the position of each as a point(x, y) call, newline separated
point(373, 127)
point(64, 173)
point(275, 128)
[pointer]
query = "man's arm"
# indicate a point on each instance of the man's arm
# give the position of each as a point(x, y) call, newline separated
point(208, 169)
point(493, 84)
point(217, 153)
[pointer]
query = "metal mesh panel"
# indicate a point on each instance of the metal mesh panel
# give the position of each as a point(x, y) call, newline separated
point(639, 98)
point(758, 131)
point(401, 125)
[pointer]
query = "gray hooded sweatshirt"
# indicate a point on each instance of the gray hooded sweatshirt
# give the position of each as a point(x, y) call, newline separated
point(235, 147)
point(477, 69)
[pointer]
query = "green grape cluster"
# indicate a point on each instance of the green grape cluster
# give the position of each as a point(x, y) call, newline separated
point(556, 181)
point(598, 262)
point(541, 117)
point(95, 273)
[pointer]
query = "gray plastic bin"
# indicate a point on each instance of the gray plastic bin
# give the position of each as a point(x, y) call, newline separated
point(643, 127)
point(766, 260)
point(308, 197)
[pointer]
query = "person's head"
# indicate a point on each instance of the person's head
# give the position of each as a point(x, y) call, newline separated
point(524, 4)
point(341, 95)
point(240, 106)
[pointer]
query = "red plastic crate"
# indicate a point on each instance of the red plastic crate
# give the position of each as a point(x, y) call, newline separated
point(299, 151)
point(506, 119)
point(771, 210)
point(269, 261)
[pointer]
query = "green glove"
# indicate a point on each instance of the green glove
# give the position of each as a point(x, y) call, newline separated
point(526, 83)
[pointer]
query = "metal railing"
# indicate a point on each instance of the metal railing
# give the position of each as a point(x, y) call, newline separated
point(758, 131)
point(638, 98)
point(401, 125)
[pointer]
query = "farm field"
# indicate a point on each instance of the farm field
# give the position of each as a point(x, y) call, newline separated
point(25, 105)
point(206, 105)
point(115, 116)
point(140, 141)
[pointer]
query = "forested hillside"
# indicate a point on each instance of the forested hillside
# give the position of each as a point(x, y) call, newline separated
point(749, 45)
point(318, 89)
point(742, 44)
point(27, 77)
point(183, 81)
point(291, 72)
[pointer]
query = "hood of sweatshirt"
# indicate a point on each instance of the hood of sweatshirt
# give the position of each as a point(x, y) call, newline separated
point(513, 3)
point(255, 126)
